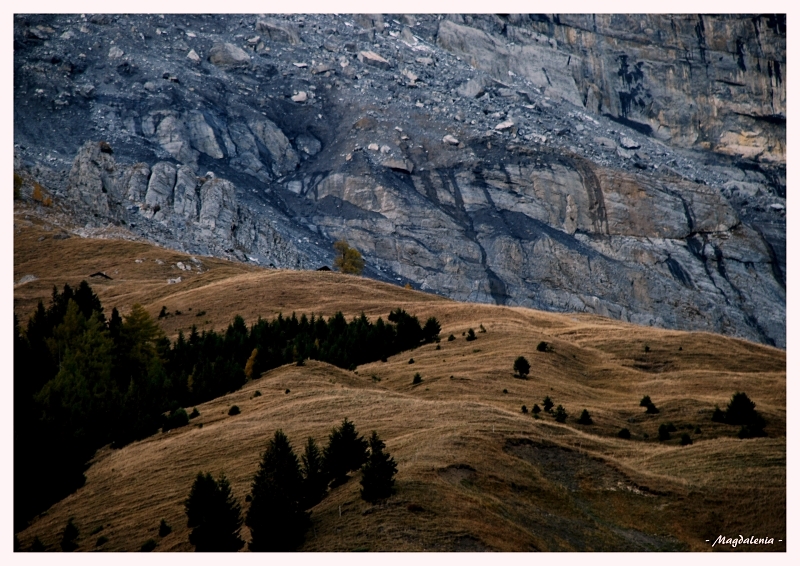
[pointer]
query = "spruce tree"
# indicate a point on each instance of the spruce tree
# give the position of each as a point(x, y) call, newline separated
point(198, 504)
point(742, 411)
point(377, 480)
point(276, 517)
point(214, 515)
point(346, 451)
point(315, 483)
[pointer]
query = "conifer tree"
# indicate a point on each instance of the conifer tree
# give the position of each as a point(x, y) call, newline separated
point(741, 410)
point(377, 480)
point(315, 483)
point(346, 451)
point(276, 518)
point(214, 515)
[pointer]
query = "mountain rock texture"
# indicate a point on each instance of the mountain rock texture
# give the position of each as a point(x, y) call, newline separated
point(630, 166)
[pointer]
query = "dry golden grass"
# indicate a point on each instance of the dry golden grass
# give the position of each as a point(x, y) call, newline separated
point(474, 472)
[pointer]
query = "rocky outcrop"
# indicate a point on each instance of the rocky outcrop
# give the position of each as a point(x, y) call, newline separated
point(186, 194)
point(280, 151)
point(160, 187)
point(172, 205)
point(202, 136)
point(630, 166)
point(91, 178)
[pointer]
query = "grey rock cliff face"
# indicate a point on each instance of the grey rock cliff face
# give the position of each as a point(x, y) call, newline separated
point(715, 82)
point(630, 166)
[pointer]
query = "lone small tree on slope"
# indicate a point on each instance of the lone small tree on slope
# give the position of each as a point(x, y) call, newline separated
point(522, 367)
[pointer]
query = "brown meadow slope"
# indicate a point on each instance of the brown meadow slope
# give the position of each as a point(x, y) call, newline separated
point(475, 473)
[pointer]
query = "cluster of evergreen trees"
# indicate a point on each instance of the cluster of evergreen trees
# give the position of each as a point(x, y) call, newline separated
point(82, 380)
point(283, 491)
point(741, 411)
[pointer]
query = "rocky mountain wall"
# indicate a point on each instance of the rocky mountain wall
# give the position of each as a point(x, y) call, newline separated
point(711, 81)
point(545, 161)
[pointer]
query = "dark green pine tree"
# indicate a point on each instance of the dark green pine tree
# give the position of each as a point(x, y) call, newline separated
point(276, 517)
point(315, 484)
point(346, 451)
point(377, 480)
point(214, 515)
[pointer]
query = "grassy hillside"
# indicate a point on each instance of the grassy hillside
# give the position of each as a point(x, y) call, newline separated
point(475, 473)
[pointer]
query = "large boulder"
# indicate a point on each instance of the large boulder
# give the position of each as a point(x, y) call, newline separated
point(277, 31)
point(173, 136)
point(228, 55)
point(374, 60)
